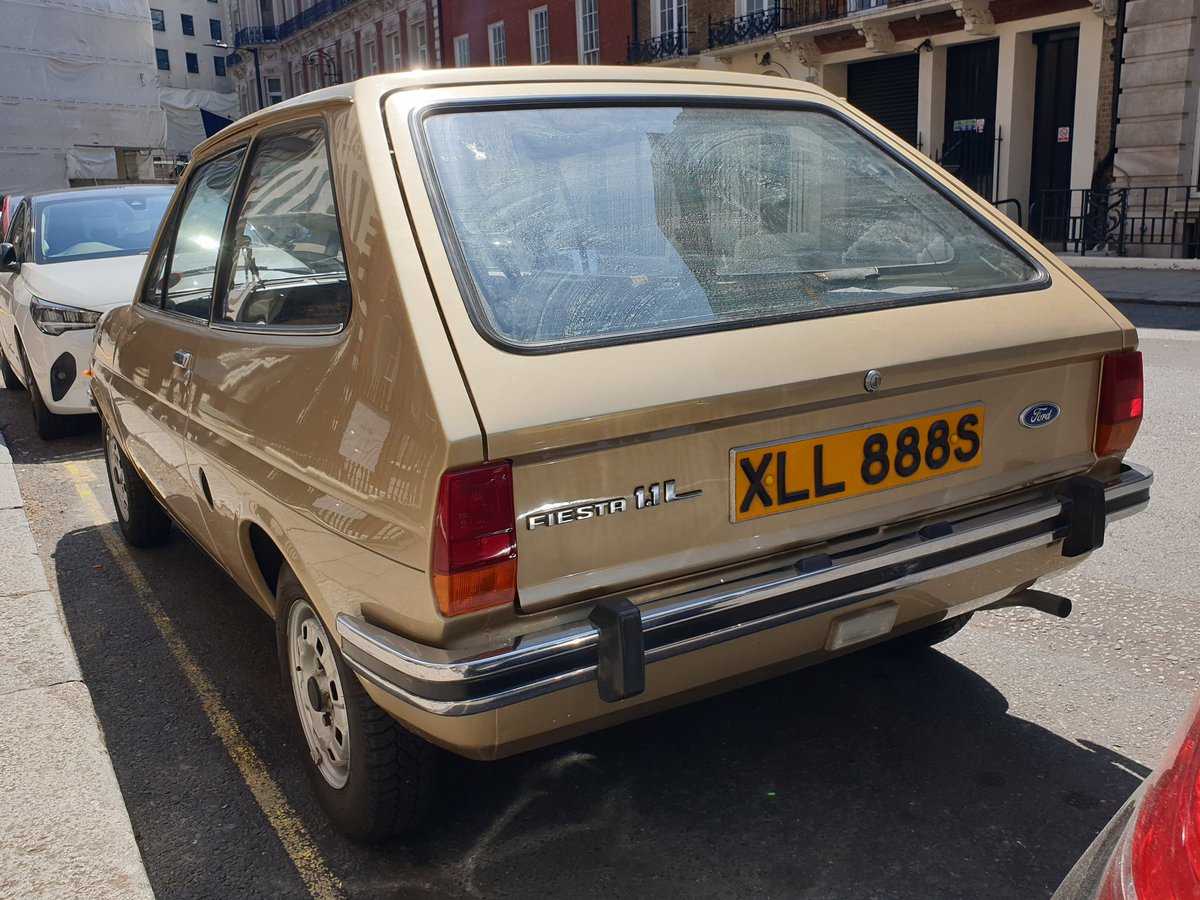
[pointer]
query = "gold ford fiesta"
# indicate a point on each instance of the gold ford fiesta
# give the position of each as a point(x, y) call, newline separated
point(530, 401)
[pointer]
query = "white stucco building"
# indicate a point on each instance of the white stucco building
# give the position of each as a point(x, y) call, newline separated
point(191, 43)
point(287, 47)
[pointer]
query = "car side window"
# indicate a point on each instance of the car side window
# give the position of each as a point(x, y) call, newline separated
point(288, 267)
point(17, 232)
point(192, 263)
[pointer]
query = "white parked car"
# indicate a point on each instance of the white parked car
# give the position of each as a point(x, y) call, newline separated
point(68, 257)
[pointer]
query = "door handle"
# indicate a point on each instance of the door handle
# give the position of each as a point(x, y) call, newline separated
point(182, 360)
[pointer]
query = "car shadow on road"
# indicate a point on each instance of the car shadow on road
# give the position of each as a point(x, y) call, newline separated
point(878, 775)
point(1149, 314)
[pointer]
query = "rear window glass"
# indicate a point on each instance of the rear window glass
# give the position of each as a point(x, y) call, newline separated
point(602, 223)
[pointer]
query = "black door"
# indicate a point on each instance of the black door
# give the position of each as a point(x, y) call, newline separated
point(969, 147)
point(886, 90)
point(1053, 134)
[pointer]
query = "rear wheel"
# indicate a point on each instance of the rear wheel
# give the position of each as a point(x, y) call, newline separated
point(373, 777)
point(931, 634)
point(142, 520)
point(12, 381)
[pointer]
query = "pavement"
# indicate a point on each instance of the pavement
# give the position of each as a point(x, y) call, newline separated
point(64, 828)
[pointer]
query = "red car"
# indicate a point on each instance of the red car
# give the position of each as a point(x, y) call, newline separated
point(1151, 848)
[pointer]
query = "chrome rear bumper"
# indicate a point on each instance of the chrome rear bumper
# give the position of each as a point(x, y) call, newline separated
point(457, 683)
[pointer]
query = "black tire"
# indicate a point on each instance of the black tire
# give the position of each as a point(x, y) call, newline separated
point(12, 380)
point(140, 516)
point(387, 783)
point(924, 638)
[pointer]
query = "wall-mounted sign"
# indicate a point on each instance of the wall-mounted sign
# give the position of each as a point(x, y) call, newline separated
point(976, 125)
point(1064, 135)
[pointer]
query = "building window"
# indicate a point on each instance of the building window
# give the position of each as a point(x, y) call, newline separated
point(371, 55)
point(274, 91)
point(393, 50)
point(539, 33)
point(349, 66)
point(193, 63)
point(672, 19)
point(462, 50)
point(497, 46)
point(214, 28)
point(185, 22)
point(589, 31)
point(219, 66)
point(163, 59)
point(158, 20)
point(418, 48)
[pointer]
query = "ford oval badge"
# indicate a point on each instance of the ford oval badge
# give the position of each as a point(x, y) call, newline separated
point(1039, 415)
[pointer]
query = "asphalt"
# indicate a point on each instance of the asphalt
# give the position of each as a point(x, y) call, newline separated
point(64, 827)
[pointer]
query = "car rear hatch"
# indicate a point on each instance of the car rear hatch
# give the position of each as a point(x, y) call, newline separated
point(690, 394)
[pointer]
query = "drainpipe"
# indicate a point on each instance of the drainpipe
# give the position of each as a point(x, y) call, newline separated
point(634, 9)
point(1104, 169)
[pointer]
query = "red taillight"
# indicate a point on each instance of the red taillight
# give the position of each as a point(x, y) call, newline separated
point(1160, 854)
point(475, 540)
point(1120, 411)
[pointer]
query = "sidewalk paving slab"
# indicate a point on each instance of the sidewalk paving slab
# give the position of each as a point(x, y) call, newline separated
point(64, 828)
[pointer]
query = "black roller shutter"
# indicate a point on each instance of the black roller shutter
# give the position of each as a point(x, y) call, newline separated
point(886, 90)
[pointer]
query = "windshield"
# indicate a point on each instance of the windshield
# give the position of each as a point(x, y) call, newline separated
point(603, 222)
point(98, 227)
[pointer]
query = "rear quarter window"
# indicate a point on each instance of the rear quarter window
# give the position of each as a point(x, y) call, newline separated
point(598, 224)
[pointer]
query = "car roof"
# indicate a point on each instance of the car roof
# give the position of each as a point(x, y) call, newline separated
point(370, 90)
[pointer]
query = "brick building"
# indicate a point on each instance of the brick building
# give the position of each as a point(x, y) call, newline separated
point(523, 32)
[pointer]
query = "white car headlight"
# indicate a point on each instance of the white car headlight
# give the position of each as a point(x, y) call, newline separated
point(55, 318)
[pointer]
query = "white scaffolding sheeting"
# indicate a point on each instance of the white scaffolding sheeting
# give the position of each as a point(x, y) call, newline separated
point(185, 128)
point(74, 74)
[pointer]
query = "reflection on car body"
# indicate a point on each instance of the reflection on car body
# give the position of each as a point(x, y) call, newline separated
point(524, 415)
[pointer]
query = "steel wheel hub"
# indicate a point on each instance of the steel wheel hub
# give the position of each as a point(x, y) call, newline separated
point(320, 699)
point(116, 474)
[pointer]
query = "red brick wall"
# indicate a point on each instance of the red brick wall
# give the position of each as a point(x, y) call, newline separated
point(472, 18)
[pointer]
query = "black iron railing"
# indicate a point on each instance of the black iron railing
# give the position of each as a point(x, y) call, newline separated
point(749, 27)
point(255, 35)
point(1120, 221)
point(666, 46)
point(233, 59)
point(322, 9)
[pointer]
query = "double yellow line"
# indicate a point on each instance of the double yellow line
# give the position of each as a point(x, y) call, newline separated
point(296, 841)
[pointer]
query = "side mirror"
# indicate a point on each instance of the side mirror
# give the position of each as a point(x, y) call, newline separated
point(8, 259)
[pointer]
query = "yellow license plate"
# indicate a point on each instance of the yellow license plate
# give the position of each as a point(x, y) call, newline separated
point(776, 478)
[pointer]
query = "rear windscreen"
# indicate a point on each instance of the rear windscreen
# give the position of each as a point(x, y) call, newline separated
point(576, 225)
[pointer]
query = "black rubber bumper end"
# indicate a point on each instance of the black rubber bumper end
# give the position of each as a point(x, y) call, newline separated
point(1087, 517)
point(621, 660)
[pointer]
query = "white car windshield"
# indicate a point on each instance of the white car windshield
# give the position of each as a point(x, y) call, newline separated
point(97, 227)
point(586, 223)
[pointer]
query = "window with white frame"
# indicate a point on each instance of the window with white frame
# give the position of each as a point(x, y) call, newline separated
point(274, 91)
point(671, 19)
point(370, 58)
point(750, 7)
point(349, 66)
point(418, 46)
point(392, 42)
point(462, 50)
point(589, 31)
point(539, 35)
point(497, 45)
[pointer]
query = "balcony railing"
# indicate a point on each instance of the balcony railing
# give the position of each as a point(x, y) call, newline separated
point(322, 9)
point(256, 35)
point(666, 46)
point(749, 27)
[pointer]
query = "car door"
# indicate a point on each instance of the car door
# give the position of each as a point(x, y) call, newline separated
point(262, 383)
point(17, 236)
point(165, 330)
